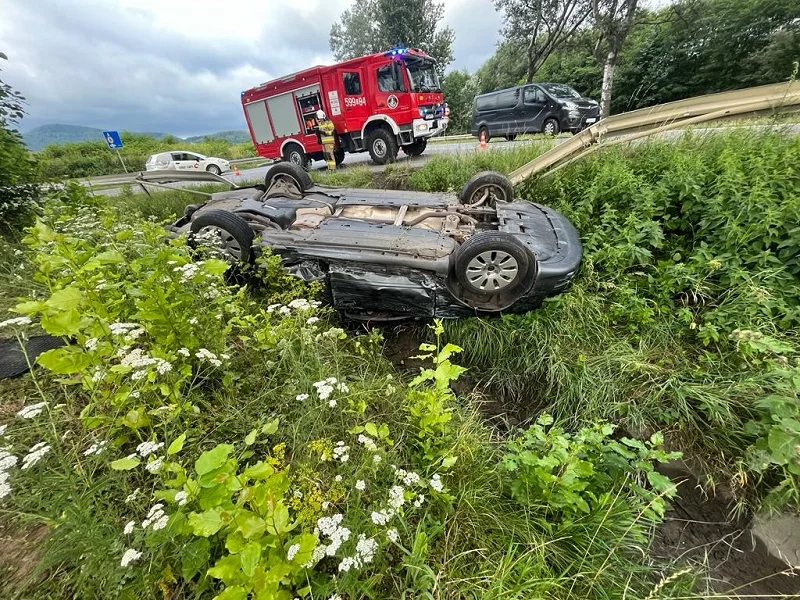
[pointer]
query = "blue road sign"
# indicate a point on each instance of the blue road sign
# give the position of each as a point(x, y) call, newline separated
point(112, 139)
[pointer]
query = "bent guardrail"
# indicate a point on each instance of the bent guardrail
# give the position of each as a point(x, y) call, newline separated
point(637, 124)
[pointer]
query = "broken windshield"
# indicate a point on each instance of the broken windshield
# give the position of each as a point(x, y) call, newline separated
point(422, 75)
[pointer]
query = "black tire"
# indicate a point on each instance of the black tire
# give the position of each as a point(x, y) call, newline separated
point(382, 146)
point(511, 137)
point(290, 172)
point(417, 148)
point(492, 262)
point(338, 156)
point(236, 237)
point(550, 127)
point(214, 169)
point(293, 153)
point(497, 185)
point(484, 130)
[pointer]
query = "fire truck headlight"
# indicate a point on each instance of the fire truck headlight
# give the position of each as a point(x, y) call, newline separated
point(422, 127)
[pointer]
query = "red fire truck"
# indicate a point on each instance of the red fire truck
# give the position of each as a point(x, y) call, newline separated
point(378, 104)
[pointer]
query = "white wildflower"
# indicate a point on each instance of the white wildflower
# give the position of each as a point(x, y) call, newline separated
point(325, 505)
point(411, 478)
point(34, 455)
point(396, 497)
point(338, 478)
point(420, 499)
point(376, 459)
point(285, 310)
point(156, 517)
point(187, 271)
point(381, 517)
point(133, 495)
point(129, 557)
point(342, 387)
point(181, 498)
point(332, 403)
point(367, 442)
point(7, 460)
point(209, 356)
point(155, 466)
point(392, 535)
point(129, 527)
point(341, 453)
point(15, 322)
point(272, 307)
point(147, 448)
point(91, 344)
point(436, 483)
point(137, 375)
point(3, 429)
point(96, 448)
point(135, 394)
point(292, 552)
point(193, 321)
point(184, 352)
point(122, 328)
point(312, 320)
point(301, 397)
point(32, 410)
point(360, 485)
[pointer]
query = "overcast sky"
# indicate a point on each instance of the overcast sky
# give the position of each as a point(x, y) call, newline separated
point(178, 66)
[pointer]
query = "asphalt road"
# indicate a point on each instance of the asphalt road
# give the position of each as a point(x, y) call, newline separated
point(361, 159)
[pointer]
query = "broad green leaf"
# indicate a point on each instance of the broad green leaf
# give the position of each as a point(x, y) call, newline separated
point(260, 470)
point(62, 323)
point(307, 542)
point(65, 360)
point(278, 521)
point(250, 438)
point(194, 556)
point(30, 307)
point(371, 429)
point(781, 445)
point(110, 257)
point(125, 464)
point(177, 444)
point(250, 524)
point(232, 593)
point(63, 300)
point(215, 266)
point(213, 459)
point(206, 523)
point(427, 347)
point(659, 482)
point(235, 542)
point(227, 569)
point(449, 461)
point(136, 419)
point(250, 557)
point(270, 427)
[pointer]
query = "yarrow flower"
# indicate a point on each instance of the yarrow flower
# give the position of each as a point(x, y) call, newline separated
point(15, 322)
point(365, 553)
point(397, 497)
point(181, 498)
point(360, 485)
point(205, 354)
point(392, 535)
point(420, 499)
point(184, 352)
point(130, 556)
point(187, 271)
point(436, 483)
point(367, 442)
point(122, 328)
point(411, 478)
point(381, 517)
point(341, 452)
point(325, 387)
point(34, 455)
point(330, 527)
point(156, 517)
point(91, 344)
point(32, 410)
point(292, 552)
point(145, 449)
point(301, 397)
point(96, 448)
point(7, 460)
point(332, 403)
point(129, 527)
point(155, 465)
point(376, 459)
point(312, 320)
point(133, 495)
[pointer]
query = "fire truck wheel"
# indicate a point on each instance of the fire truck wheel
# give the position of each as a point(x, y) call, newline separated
point(291, 173)
point(416, 148)
point(294, 154)
point(382, 146)
point(338, 154)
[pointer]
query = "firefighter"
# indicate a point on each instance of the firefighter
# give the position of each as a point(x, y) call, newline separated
point(327, 138)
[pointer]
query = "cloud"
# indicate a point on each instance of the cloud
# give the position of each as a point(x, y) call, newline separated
point(177, 66)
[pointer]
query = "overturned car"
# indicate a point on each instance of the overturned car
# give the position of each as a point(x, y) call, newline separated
point(385, 255)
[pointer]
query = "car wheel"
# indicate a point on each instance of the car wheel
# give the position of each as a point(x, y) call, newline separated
point(511, 137)
point(338, 156)
point(484, 131)
point(382, 146)
point(550, 127)
point(290, 173)
point(416, 148)
point(293, 153)
point(214, 169)
point(491, 262)
point(190, 209)
point(229, 232)
point(487, 188)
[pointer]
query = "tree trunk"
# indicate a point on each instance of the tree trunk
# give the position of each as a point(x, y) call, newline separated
point(531, 70)
point(608, 82)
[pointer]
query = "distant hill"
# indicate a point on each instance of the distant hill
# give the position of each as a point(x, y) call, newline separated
point(235, 136)
point(56, 133)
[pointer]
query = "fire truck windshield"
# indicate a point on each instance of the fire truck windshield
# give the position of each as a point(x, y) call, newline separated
point(422, 75)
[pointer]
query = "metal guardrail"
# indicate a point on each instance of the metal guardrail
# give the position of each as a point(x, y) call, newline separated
point(637, 124)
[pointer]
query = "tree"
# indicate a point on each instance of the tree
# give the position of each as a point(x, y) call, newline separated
point(460, 89)
point(375, 25)
point(613, 20)
point(18, 194)
point(542, 25)
point(505, 68)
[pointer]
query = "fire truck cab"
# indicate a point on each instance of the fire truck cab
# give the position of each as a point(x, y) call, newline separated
point(378, 104)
